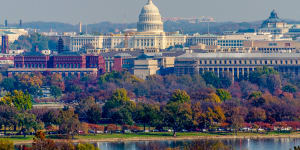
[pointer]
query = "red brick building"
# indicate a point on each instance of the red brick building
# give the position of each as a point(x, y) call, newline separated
point(66, 63)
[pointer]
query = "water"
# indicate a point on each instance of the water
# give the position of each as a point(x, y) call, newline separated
point(237, 144)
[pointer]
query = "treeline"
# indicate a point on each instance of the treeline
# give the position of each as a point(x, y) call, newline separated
point(265, 99)
point(29, 42)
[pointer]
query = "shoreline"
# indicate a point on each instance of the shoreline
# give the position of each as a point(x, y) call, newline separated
point(141, 139)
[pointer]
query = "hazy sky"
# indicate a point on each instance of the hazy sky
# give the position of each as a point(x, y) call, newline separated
point(93, 11)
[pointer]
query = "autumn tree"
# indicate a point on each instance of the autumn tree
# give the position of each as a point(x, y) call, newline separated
point(31, 83)
point(178, 112)
point(6, 144)
point(22, 101)
point(8, 116)
point(27, 122)
point(84, 104)
point(256, 115)
point(41, 142)
point(209, 118)
point(68, 122)
point(223, 94)
point(236, 117)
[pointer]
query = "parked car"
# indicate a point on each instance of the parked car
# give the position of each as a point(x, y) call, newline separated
point(155, 130)
point(184, 130)
point(99, 132)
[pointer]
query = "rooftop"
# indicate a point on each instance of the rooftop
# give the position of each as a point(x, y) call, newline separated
point(240, 55)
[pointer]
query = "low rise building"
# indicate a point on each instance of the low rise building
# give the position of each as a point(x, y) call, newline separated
point(66, 63)
point(237, 64)
point(145, 67)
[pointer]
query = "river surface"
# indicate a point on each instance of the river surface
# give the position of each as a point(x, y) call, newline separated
point(236, 144)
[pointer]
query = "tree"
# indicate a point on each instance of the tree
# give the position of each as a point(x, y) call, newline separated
point(255, 76)
point(223, 94)
point(210, 118)
point(147, 114)
point(256, 115)
point(31, 83)
point(22, 101)
point(56, 80)
point(235, 117)
point(266, 77)
point(180, 96)
point(84, 106)
point(256, 99)
point(213, 98)
point(119, 107)
point(50, 118)
point(40, 142)
point(55, 92)
point(289, 88)
point(8, 116)
point(6, 144)
point(27, 122)
point(94, 114)
point(68, 123)
point(178, 111)
point(9, 84)
point(30, 41)
point(212, 79)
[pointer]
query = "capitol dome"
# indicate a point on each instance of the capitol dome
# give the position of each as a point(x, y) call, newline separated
point(150, 19)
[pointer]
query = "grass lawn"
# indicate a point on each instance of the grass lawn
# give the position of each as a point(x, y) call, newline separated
point(28, 138)
point(168, 134)
point(19, 138)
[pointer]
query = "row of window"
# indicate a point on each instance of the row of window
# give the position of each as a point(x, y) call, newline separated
point(30, 66)
point(68, 66)
point(251, 62)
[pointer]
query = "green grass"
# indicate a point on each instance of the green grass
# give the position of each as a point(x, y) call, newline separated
point(21, 138)
point(168, 134)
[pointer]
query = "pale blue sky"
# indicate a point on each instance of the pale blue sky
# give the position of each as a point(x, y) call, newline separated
point(93, 11)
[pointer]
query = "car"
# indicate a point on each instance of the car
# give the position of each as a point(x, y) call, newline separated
point(155, 130)
point(184, 130)
point(99, 132)
point(91, 131)
point(204, 130)
point(127, 131)
point(117, 131)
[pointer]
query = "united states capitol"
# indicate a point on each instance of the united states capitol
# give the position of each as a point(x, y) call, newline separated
point(148, 50)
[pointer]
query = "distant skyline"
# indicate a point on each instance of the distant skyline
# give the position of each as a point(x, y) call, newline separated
point(127, 11)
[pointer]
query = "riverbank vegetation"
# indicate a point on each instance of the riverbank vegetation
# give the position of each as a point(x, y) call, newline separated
point(119, 102)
